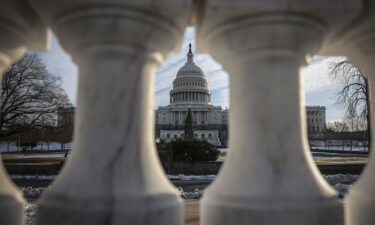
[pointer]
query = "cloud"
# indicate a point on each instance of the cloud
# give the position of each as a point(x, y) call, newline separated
point(217, 78)
point(319, 88)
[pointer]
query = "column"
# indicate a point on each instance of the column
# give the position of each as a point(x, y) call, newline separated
point(113, 175)
point(269, 176)
point(360, 202)
point(20, 30)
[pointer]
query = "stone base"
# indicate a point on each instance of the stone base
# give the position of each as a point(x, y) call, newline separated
point(260, 212)
point(10, 210)
point(151, 210)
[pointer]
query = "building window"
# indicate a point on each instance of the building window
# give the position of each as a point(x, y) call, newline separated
point(210, 135)
point(168, 135)
point(175, 136)
point(202, 135)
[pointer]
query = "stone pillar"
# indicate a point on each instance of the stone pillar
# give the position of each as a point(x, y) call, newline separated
point(20, 30)
point(360, 202)
point(113, 175)
point(269, 176)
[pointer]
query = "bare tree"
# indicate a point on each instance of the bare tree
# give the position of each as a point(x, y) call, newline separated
point(354, 94)
point(29, 96)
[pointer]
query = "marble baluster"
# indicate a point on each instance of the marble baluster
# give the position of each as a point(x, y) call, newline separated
point(113, 175)
point(20, 30)
point(269, 176)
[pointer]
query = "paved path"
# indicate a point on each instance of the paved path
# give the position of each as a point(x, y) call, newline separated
point(191, 212)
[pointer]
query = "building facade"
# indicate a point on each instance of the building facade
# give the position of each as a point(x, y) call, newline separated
point(65, 117)
point(190, 91)
point(316, 119)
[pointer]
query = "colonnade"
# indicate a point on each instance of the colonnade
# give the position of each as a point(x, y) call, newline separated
point(180, 116)
point(113, 175)
point(190, 97)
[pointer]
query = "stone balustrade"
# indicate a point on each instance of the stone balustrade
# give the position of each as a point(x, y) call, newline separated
point(20, 29)
point(113, 175)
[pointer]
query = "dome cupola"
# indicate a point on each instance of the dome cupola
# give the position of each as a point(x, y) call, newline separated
point(190, 85)
point(190, 69)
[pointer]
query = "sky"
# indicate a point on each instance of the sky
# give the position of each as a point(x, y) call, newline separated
point(318, 86)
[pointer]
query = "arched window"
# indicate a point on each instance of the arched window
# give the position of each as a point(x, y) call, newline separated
point(168, 135)
point(210, 135)
point(202, 135)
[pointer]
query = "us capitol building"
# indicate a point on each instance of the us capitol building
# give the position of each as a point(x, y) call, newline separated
point(210, 122)
point(190, 91)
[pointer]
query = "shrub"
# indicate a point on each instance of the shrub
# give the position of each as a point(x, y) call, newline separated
point(194, 150)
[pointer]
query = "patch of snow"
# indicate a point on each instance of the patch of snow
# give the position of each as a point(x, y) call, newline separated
point(32, 192)
point(341, 177)
point(191, 177)
point(196, 194)
point(12, 147)
point(223, 150)
point(33, 177)
point(342, 189)
point(30, 211)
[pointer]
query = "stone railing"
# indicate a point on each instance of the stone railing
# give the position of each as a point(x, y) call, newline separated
point(114, 177)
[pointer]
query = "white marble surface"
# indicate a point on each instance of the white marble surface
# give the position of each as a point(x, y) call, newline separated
point(268, 176)
point(266, 179)
point(20, 29)
point(117, 46)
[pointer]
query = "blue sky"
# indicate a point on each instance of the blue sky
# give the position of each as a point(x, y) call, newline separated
point(319, 89)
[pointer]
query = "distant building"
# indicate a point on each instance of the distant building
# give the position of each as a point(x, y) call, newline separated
point(316, 119)
point(190, 91)
point(65, 117)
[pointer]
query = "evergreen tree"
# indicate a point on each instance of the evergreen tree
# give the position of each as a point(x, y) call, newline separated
point(189, 129)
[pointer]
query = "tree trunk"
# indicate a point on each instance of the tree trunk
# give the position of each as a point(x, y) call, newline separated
point(368, 117)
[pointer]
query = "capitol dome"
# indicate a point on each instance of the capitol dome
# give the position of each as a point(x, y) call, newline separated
point(190, 69)
point(190, 85)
